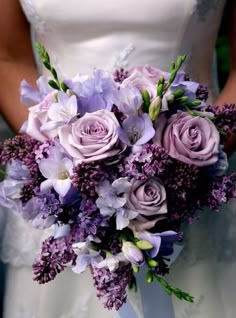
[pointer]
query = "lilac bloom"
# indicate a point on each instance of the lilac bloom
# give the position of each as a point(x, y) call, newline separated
point(86, 256)
point(61, 113)
point(162, 242)
point(30, 96)
point(57, 169)
point(128, 100)
point(136, 130)
point(112, 202)
point(95, 92)
point(41, 210)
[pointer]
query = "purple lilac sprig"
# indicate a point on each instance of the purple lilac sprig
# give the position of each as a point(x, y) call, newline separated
point(202, 93)
point(111, 286)
point(225, 117)
point(55, 255)
point(120, 75)
point(185, 188)
point(222, 189)
point(89, 222)
point(151, 161)
point(86, 177)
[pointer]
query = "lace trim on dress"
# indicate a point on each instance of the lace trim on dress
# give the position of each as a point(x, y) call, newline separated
point(35, 20)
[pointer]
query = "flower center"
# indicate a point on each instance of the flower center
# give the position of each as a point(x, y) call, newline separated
point(134, 135)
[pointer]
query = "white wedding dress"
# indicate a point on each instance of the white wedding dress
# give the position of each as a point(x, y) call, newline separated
point(79, 36)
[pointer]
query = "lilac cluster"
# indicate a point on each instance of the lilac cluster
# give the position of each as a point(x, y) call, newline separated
point(202, 93)
point(222, 189)
point(55, 255)
point(43, 150)
point(185, 187)
point(151, 161)
point(86, 177)
point(120, 75)
point(89, 222)
point(22, 148)
point(225, 117)
point(111, 286)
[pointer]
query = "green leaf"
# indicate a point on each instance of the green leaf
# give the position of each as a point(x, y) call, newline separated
point(64, 87)
point(149, 277)
point(53, 84)
point(47, 65)
point(54, 73)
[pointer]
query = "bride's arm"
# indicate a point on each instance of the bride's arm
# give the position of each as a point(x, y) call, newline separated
point(16, 61)
point(228, 95)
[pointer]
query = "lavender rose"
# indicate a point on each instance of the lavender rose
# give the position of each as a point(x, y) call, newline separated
point(144, 77)
point(92, 137)
point(192, 140)
point(148, 198)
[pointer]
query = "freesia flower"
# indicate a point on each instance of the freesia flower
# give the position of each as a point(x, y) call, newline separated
point(86, 256)
point(112, 262)
point(111, 201)
point(133, 254)
point(128, 100)
point(62, 112)
point(57, 169)
point(136, 130)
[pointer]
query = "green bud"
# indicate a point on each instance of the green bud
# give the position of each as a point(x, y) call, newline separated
point(161, 80)
point(135, 268)
point(144, 245)
point(155, 108)
point(149, 277)
point(160, 88)
point(152, 263)
point(172, 66)
point(172, 76)
point(183, 99)
point(196, 102)
point(53, 84)
point(180, 60)
point(146, 100)
point(178, 93)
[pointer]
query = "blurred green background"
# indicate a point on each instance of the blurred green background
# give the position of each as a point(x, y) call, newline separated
point(222, 47)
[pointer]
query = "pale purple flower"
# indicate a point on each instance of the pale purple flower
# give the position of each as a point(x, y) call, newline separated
point(133, 254)
point(30, 95)
point(86, 256)
point(160, 242)
point(113, 262)
point(192, 140)
point(148, 199)
point(128, 100)
point(136, 130)
point(16, 170)
point(92, 137)
point(62, 112)
point(144, 77)
point(41, 210)
point(10, 193)
point(57, 169)
point(112, 201)
point(95, 92)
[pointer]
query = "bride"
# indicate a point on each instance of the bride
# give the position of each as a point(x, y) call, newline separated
point(80, 36)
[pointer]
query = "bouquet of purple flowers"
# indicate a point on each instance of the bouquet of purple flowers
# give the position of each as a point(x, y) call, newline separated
point(117, 163)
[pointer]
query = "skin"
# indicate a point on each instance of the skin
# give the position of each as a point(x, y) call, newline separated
point(17, 63)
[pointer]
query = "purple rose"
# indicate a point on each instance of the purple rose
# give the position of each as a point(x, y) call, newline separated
point(144, 77)
point(148, 199)
point(92, 137)
point(192, 140)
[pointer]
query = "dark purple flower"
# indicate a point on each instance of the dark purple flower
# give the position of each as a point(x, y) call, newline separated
point(222, 189)
point(111, 286)
point(225, 117)
point(202, 93)
point(55, 255)
point(120, 75)
point(151, 161)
